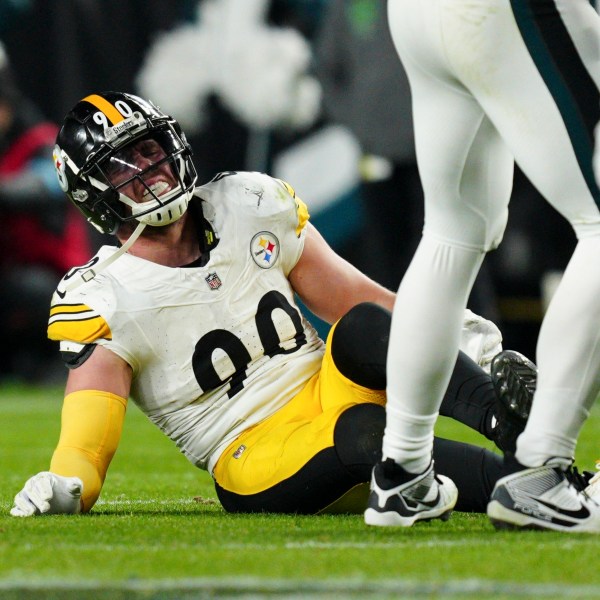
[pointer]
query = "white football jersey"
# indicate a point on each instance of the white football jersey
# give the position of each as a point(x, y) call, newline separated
point(214, 349)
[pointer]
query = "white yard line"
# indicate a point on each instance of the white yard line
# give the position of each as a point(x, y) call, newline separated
point(239, 587)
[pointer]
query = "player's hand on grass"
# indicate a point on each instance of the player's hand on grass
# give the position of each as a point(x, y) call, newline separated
point(48, 494)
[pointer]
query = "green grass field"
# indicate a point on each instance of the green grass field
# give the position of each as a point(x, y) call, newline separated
point(158, 532)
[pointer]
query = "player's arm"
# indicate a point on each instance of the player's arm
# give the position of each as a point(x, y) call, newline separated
point(92, 420)
point(329, 285)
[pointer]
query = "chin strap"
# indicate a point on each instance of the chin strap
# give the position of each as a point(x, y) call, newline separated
point(89, 274)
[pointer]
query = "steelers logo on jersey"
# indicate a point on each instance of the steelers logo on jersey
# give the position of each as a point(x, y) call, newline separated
point(264, 249)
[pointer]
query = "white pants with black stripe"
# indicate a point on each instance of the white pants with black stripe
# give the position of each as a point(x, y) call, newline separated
point(495, 81)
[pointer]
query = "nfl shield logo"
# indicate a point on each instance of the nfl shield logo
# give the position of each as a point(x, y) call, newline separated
point(214, 283)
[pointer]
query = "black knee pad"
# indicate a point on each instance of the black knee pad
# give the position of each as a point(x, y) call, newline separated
point(359, 345)
point(357, 437)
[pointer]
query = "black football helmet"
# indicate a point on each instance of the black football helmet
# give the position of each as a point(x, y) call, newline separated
point(93, 160)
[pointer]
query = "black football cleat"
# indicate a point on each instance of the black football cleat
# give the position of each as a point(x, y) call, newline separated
point(514, 378)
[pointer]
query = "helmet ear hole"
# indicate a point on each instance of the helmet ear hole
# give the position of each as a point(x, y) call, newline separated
point(109, 196)
point(108, 209)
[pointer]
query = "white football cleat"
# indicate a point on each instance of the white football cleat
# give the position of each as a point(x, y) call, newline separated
point(542, 498)
point(399, 498)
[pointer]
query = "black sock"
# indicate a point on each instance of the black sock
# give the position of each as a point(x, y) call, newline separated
point(474, 470)
point(470, 397)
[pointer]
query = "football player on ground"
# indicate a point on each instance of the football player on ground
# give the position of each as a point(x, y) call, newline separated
point(494, 82)
point(194, 317)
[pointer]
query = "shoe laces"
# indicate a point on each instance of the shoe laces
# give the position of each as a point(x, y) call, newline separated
point(593, 479)
point(578, 480)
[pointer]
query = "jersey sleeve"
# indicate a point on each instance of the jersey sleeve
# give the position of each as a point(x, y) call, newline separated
point(263, 204)
point(277, 210)
point(302, 215)
point(78, 322)
point(290, 225)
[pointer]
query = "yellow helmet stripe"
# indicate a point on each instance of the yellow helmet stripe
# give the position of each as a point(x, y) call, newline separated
point(106, 107)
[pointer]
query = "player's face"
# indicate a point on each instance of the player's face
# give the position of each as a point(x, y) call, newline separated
point(141, 159)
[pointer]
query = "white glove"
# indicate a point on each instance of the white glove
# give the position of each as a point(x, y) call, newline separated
point(48, 494)
point(480, 339)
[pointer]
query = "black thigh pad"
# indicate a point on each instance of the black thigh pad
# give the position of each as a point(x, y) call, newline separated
point(358, 436)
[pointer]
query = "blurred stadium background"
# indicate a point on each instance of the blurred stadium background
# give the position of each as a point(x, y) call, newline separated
point(287, 87)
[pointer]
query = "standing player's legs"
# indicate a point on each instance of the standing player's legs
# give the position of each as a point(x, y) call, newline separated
point(459, 229)
point(554, 87)
point(557, 158)
point(542, 96)
point(467, 177)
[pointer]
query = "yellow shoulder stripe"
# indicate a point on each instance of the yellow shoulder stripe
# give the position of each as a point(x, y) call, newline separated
point(303, 215)
point(301, 208)
point(61, 309)
point(83, 332)
point(77, 323)
point(289, 188)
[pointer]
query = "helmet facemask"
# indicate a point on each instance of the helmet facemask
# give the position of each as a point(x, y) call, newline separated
point(154, 165)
